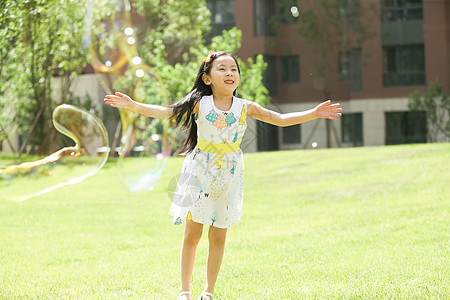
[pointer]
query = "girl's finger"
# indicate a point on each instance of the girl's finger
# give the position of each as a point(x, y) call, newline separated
point(334, 105)
point(120, 94)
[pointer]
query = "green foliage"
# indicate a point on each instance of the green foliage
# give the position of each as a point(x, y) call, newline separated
point(43, 38)
point(436, 103)
point(170, 28)
point(178, 87)
point(46, 41)
point(9, 31)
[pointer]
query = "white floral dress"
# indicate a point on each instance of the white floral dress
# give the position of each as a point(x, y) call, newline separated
point(210, 187)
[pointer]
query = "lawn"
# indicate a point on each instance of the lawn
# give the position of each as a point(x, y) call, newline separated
point(353, 223)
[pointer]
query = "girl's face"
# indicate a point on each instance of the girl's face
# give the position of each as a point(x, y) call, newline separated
point(224, 75)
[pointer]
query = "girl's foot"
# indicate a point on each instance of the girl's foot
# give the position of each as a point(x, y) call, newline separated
point(206, 296)
point(185, 296)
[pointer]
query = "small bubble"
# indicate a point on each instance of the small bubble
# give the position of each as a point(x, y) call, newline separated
point(131, 40)
point(140, 73)
point(294, 11)
point(128, 31)
point(136, 60)
point(155, 137)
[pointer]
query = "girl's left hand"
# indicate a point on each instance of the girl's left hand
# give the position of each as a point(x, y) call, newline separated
point(327, 110)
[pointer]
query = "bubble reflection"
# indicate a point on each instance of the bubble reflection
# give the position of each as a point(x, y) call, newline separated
point(145, 144)
point(143, 152)
point(108, 35)
point(68, 165)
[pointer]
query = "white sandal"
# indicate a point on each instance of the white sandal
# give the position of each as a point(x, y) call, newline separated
point(184, 294)
point(205, 294)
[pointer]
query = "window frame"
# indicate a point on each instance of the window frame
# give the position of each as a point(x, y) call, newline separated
point(290, 75)
point(408, 120)
point(356, 137)
point(393, 74)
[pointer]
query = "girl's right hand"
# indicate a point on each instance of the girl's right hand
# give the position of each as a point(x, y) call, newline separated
point(119, 100)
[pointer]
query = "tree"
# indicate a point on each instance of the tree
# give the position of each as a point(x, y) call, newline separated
point(46, 43)
point(176, 86)
point(47, 36)
point(436, 104)
point(330, 26)
point(8, 36)
point(172, 48)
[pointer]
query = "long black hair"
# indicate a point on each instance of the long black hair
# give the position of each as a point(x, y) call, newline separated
point(185, 107)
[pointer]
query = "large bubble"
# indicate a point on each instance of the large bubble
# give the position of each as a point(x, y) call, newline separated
point(68, 165)
point(145, 144)
point(109, 35)
point(143, 152)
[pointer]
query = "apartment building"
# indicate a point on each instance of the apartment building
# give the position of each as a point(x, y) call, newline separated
point(410, 48)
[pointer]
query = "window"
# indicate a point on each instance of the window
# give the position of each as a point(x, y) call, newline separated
point(267, 136)
point(222, 15)
point(406, 127)
point(352, 129)
point(401, 10)
point(263, 11)
point(270, 77)
point(291, 134)
point(349, 11)
point(403, 65)
point(290, 69)
point(350, 68)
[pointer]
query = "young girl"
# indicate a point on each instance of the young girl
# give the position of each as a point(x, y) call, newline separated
point(210, 189)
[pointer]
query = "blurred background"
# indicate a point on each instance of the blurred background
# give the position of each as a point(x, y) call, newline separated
point(386, 61)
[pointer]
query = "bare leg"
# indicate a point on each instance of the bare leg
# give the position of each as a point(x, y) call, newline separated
point(192, 235)
point(215, 254)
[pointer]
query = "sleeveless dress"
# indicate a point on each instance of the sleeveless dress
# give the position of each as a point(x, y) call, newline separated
point(210, 187)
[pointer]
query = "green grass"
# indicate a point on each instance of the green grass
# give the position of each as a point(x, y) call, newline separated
point(359, 223)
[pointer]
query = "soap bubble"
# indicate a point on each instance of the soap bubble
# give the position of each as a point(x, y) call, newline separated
point(109, 35)
point(145, 148)
point(112, 43)
point(314, 144)
point(146, 143)
point(68, 165)
point(294, 11)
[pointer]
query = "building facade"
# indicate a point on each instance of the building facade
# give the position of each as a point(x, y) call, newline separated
point(410, 49)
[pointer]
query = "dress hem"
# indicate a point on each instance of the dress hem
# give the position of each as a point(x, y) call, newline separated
point(199, 222)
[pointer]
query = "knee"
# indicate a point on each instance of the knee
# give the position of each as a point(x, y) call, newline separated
point(217, 240)
point(192, 236)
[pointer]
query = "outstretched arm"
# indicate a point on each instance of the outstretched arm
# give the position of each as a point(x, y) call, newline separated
point(324, 110)
point(120, 100)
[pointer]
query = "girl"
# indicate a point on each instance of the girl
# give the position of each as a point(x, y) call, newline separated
point(210, 188)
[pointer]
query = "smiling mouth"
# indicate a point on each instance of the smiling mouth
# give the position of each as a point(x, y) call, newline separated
point(229, 81)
